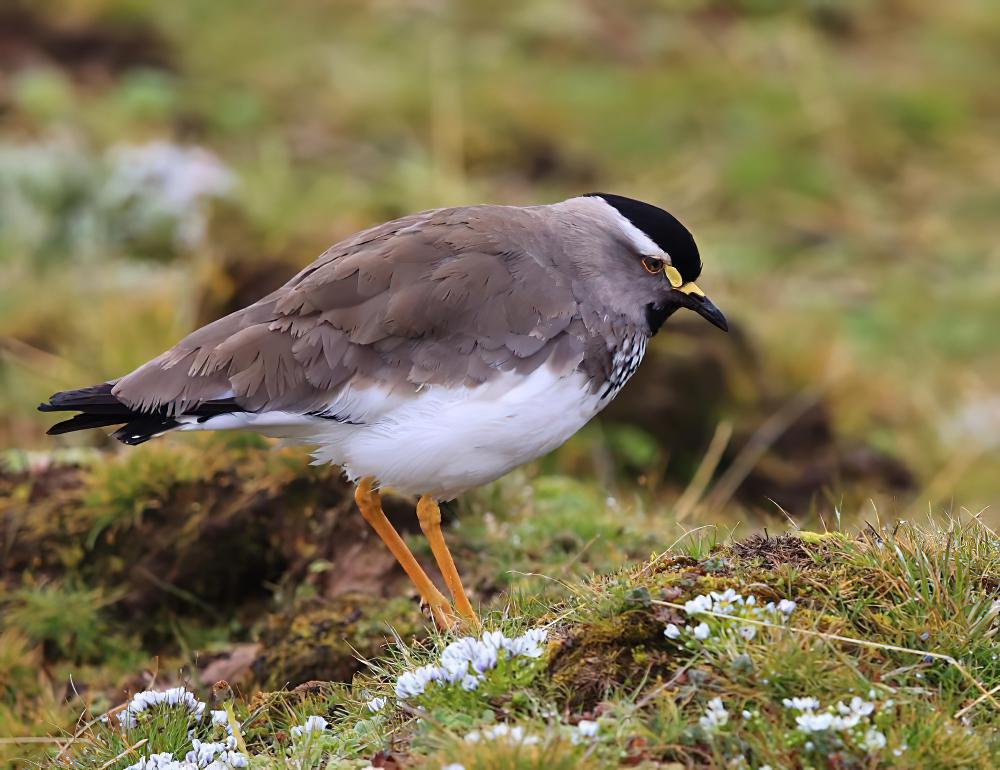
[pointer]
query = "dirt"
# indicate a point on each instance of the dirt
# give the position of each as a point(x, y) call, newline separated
point(89, 49)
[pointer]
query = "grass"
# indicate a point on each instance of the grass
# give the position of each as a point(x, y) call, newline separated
point(903, 620)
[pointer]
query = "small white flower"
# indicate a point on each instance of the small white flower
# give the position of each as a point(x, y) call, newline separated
point(698, 604)
point(747, 632)
point(873, 741)
point(484, 658)
point(313, 724)
point(413, 683)
point(376, 704)
point(470, 683)
point(701, 632)
point(747, 715)
point(786, 606)
point(814, 723)
point(715, 716)
point(671, 631)
point(528, 645)
point(453, 766)
point(587, 728)
point(801, 704)
point(452, 672)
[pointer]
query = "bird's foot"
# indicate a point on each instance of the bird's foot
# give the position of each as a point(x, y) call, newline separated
point(446, 620)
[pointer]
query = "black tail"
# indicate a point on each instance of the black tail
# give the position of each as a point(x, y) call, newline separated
point(98, 408)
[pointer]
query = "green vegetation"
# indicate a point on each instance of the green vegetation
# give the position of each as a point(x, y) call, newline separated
point(880, 650)
point(164, 163)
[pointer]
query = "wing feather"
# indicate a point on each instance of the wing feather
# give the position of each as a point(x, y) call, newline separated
point(448, 297)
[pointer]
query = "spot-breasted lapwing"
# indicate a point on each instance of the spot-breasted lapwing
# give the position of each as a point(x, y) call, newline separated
point(430, 354)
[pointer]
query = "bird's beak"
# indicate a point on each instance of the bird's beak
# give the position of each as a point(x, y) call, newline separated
point(695, 299)
point(702, 305)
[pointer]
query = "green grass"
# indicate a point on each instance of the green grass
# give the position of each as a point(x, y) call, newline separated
point(905, 620)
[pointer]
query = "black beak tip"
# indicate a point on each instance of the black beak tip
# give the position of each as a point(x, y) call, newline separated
point(706, 309)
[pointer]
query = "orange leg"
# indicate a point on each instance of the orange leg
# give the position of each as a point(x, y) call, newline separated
point(370, 503)
point(429, 515)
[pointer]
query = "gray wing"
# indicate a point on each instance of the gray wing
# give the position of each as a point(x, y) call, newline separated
point(449, 297)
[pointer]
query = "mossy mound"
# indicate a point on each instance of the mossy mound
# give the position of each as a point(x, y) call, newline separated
point(329, 639)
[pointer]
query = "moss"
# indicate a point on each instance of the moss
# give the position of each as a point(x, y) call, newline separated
point(327, 640)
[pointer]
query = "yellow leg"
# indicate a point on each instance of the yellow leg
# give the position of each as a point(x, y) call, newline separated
point(429, 515)
point(370, 503)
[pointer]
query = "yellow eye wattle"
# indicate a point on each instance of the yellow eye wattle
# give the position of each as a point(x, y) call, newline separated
point(674, 276)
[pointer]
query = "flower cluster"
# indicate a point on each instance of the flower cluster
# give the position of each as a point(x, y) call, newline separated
point(143, 701)
point(466, 660)
point(313, 724)
point(732, 604)
point(163, 182)
point(851, 719)
point(502, 732)
point(215, 755)
point(203, 756)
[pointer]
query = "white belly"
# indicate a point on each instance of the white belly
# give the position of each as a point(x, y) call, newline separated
point(443, 441)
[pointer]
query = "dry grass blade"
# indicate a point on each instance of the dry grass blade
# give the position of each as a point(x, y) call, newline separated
point(124, 754)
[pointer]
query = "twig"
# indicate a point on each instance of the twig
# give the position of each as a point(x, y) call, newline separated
point(127, 751)
point(770, 431)
point(700, 481)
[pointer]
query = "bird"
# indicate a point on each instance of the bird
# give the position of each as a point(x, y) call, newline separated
point(430, 354)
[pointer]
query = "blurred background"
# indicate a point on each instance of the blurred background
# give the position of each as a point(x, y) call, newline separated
point(164, 163)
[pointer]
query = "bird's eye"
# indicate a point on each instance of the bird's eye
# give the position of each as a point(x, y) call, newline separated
point(651, 265)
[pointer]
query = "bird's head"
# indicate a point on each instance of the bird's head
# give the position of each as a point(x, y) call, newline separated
point(661, 260)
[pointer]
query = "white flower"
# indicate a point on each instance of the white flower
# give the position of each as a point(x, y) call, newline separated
point(461, 650)
point(313, 724)
point(587, 728)
point(857, 706)
point(481, 654)
point(484, 658)
point(671, 631)
point(220, 717)
point(413, 683)
point(376, 704)
point(786, 606)
point(175, 696)
point(162, 761)
point(453, 766)
point(715, 716)
point(701, 632)
point(814, 723)
point(161, 179)
point(528, 645)
point(873, 741)
point(698, 604)
point(503, 732)
point(747, 632)
point(801, 704)
point(452, 672)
